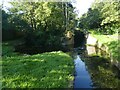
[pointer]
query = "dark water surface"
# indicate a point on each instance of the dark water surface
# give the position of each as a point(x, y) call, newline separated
point(94, 71)
point(82, 77)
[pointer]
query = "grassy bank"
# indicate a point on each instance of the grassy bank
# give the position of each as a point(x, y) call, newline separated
point(111, 41)
point(47, 70)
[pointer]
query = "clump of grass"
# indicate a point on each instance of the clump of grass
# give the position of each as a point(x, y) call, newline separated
point(46, 70)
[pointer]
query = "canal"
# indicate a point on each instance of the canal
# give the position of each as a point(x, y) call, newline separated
point(94, 71)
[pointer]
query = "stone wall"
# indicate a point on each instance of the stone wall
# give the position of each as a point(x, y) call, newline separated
point(91, 41)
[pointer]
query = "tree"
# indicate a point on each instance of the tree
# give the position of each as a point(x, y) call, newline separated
point(102, 15)
point(44, 22)
point(91, 20)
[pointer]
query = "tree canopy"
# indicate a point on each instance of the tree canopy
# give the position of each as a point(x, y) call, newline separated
point(102, 14)
point(43, 23)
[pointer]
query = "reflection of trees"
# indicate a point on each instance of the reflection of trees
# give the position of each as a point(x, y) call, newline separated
point(102, 74)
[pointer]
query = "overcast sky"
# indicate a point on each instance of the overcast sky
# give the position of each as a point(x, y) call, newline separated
point(81, 5)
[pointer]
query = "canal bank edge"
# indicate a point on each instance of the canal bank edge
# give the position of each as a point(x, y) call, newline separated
point(92, 41)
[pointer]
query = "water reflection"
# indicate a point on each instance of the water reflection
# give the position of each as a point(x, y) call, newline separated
point(94, 71)
point(82, 77)
point(103, 74)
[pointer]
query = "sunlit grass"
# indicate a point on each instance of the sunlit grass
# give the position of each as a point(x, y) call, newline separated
point(47, 70)
point(111, 42)
point(105, 38)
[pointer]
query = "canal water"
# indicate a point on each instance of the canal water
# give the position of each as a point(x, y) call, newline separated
point(82, 77)
point(94, 71)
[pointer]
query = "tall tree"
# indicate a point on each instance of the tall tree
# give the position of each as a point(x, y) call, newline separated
point(46, 21)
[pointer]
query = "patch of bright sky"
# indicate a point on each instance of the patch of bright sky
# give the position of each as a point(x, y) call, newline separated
point(6, 5)
point(81, 5)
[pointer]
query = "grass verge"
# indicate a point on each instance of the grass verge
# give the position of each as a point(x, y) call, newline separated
point(111, 41)
point(47, 70)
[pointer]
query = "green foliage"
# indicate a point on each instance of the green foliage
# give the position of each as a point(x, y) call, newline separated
point(91, 19)
point(8, 47)
point(5, 20)
point(42, 15)
point(11, 26)
point(102, 15)
point(44, 23)
point(111, 42)
point(111, 15)
point(113, 47)
point(47, 70)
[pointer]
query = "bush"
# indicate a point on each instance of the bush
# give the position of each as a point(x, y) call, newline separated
point(40, 41)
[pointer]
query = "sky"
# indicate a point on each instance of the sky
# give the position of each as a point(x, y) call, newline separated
point(81, 5)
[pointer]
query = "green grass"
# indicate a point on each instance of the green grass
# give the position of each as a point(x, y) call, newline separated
point(47, 70)
point(111, 42)
point(105, 38)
